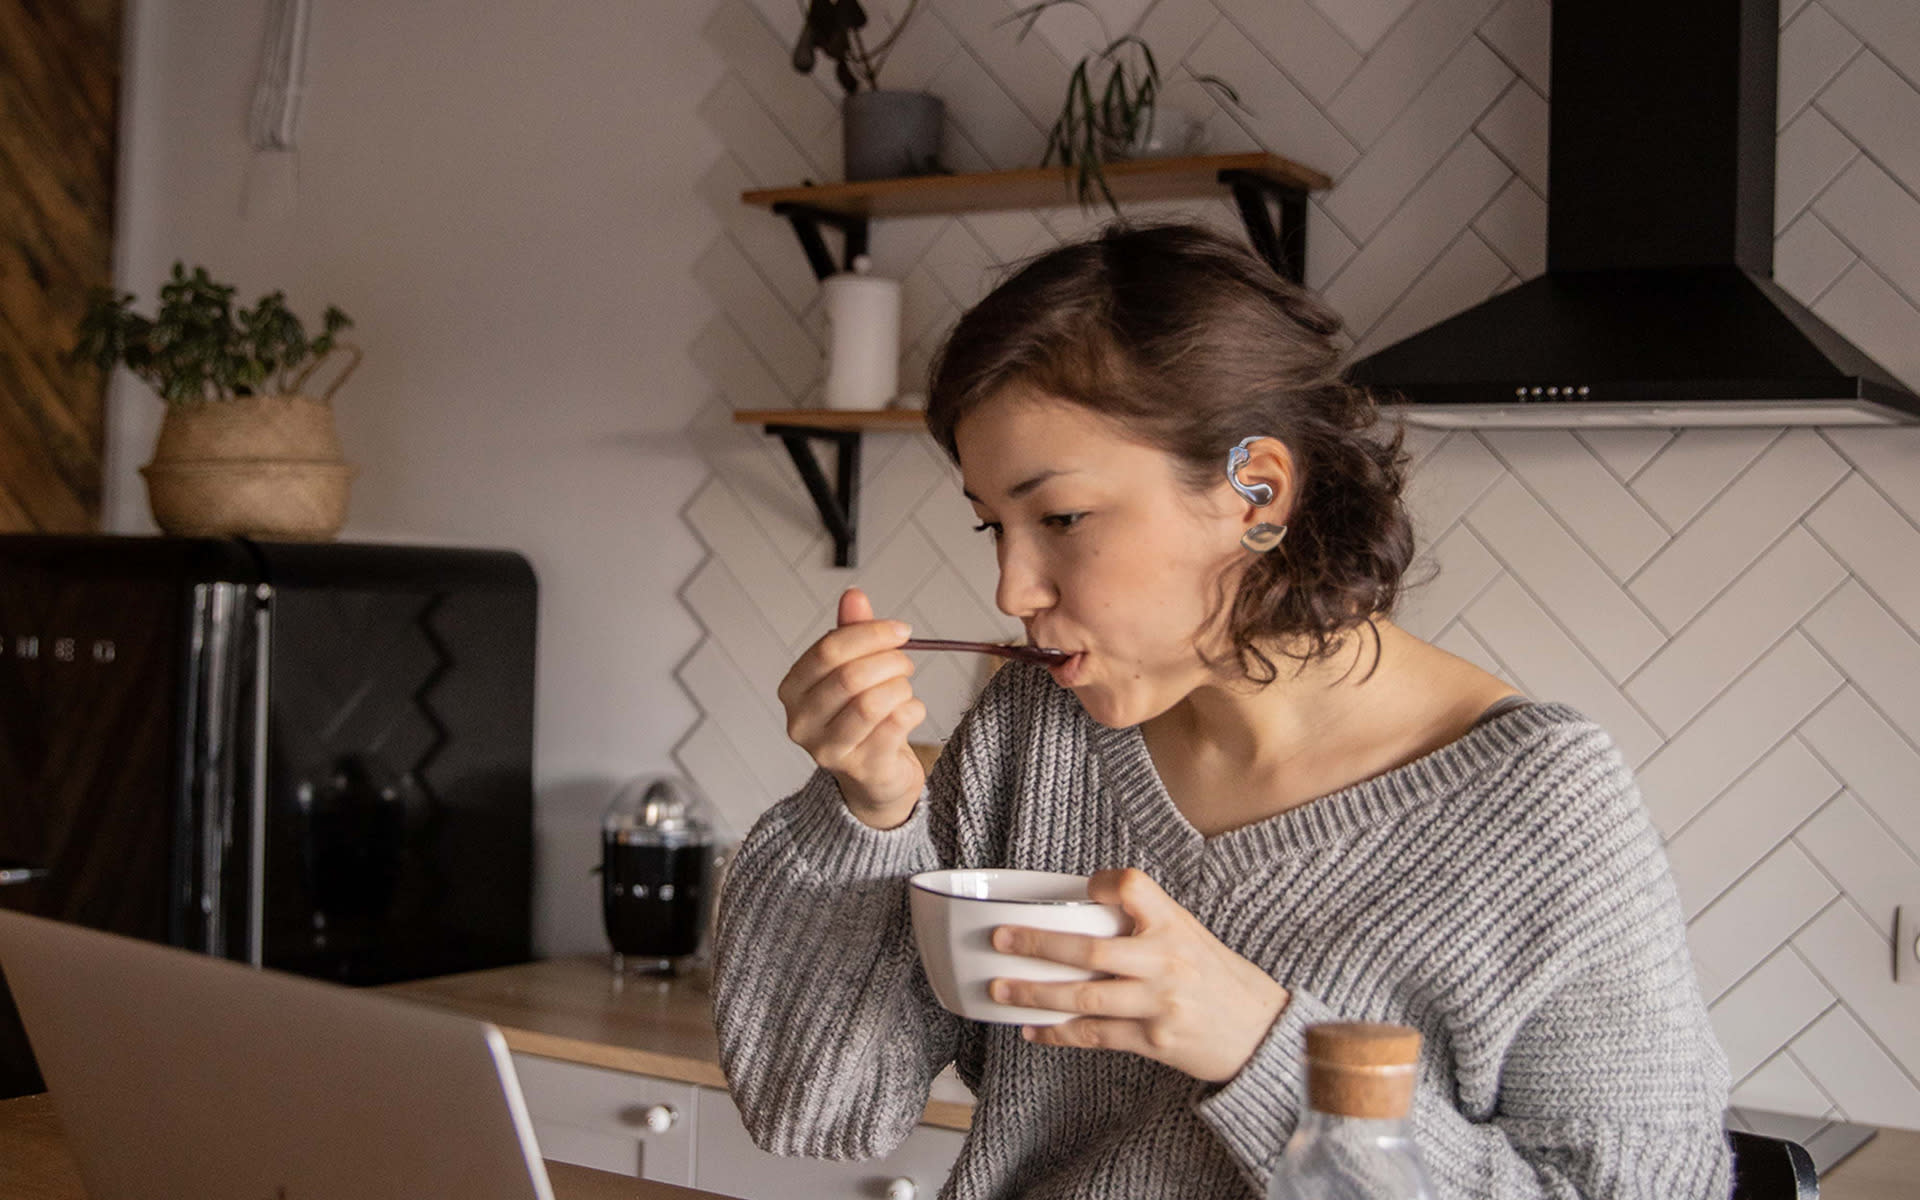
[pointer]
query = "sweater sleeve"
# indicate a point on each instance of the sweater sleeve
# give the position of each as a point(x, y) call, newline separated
point(830, 1035)
point(1610, 1083)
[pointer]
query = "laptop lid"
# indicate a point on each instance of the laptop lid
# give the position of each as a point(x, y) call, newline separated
point(179, 1076)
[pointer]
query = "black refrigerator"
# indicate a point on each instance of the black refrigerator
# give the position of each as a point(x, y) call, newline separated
point(310, 757)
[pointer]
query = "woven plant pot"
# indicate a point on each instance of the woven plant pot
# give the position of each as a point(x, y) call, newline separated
point(267, 467)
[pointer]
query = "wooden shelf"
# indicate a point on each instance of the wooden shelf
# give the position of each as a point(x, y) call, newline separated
point(1039, 187)
point(845, 420)
point(1255, 181)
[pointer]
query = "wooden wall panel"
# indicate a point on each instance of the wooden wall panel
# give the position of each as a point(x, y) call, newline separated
point(59, 84)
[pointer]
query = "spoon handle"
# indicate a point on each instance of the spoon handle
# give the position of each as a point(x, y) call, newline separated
point(1034, 654)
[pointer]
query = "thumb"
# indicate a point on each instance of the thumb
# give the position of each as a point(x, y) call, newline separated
point(1135, 893)
point(855, 607)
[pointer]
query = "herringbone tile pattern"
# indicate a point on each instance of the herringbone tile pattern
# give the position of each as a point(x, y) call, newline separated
point(1739, 608)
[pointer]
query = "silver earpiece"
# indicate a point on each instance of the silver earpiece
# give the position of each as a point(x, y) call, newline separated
point(1256, 493)
point(1262, 537)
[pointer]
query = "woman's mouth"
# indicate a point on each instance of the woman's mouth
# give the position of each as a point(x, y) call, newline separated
point(1071, 671)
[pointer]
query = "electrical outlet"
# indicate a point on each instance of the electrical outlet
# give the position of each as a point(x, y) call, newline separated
point(1906, 945)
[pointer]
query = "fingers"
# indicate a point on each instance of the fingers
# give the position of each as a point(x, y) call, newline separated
point(1132, 999)
point(873, 722)
point(1107, 955)
point(1097, 1033)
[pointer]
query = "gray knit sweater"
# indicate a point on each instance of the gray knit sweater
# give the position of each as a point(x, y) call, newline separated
point(1505, 895)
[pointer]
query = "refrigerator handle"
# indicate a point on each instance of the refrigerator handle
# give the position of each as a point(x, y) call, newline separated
point(257, 824)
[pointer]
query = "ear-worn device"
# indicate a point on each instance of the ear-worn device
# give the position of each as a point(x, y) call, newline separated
point(1262, 537)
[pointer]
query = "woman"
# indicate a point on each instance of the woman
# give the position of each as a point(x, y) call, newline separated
point(1308, 813)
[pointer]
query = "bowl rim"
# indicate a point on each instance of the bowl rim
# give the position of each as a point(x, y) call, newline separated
point(915, 881)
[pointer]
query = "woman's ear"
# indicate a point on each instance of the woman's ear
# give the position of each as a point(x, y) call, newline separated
point(1268, 462)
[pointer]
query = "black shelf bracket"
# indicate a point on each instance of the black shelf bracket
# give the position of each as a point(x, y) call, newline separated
point(839, 502)
point(807, 221)
point(1284, 243)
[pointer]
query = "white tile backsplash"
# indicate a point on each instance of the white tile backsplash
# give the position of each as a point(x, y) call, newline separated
point(1812, 152)
point(1738, 608)
point(1872, 106)
point(1746, 822)
point(1521, 32)
point(1856, 1070)
point(1878, 766)
point(1696, 466)
point(1813, 49)
point(1608, 519)
point(1745, 721)
point(1565, 577)
point(1402, 62)
point(1459, 97)
point(1760, 608)
point(1739, 524)
point(1735, 933)
point(1767, 1010)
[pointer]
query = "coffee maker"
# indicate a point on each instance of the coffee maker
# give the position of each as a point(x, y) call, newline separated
point(311, 757)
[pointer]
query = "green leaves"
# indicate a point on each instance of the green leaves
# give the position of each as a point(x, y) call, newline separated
point(198, 346)
point(1098, 125)
point(832, 28)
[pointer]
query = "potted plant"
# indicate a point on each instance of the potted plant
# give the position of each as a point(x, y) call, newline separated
point(885, 133)
point(1113, 110)
point(243, 448)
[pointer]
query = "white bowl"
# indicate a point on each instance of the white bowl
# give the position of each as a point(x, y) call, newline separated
point(956, 912)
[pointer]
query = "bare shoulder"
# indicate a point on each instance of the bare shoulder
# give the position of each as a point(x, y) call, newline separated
point(1454, 692)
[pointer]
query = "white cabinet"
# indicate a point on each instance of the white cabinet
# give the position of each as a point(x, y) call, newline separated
point(678, 1133)
point(610, 1120)
point(727, 1161)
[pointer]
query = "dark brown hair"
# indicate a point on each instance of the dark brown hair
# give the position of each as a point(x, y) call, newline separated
point(1190, 343)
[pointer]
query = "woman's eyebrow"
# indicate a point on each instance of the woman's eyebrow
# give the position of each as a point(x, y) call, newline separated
point(1024, 486)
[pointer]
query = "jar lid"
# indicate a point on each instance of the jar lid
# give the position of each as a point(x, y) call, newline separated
point(656, 805)
point(1362, 1068)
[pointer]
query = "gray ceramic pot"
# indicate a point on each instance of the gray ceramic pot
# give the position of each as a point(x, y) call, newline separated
point(890, 134)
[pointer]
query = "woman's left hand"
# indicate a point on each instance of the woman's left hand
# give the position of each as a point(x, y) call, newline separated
point(1177, 994)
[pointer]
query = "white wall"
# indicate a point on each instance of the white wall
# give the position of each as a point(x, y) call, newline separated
point(1740, 608)
point(502, 197)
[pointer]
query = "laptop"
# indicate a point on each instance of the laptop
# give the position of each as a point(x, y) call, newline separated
point(177, 1075)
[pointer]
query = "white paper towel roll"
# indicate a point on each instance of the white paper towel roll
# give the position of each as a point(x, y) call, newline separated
point(863, 360)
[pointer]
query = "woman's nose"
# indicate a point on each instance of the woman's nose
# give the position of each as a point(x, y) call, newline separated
point(1023, 589)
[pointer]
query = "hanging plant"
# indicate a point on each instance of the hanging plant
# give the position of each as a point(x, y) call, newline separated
point(1112, 95)
point(835, 28)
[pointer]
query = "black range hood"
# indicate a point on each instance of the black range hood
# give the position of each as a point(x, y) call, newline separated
point(1658, 306)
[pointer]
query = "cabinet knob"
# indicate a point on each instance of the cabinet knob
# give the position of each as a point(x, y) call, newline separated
point(902, 1189)
point(659, 1118)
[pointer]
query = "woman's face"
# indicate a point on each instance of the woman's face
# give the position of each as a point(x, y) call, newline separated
point(1103, 551)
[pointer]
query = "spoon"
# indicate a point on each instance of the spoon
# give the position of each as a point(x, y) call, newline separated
point(1032, 654)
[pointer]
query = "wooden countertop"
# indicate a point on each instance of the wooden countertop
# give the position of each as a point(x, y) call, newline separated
point(35, 1164)
point(576, 1010)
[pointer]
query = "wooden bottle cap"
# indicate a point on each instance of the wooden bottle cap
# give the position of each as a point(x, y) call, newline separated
point(1362, 1069)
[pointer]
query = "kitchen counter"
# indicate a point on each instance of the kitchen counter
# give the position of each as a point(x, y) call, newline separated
point(36, 1165)
point(577, 1010)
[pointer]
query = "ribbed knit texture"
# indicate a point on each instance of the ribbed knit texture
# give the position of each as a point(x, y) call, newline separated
point(1505, 895)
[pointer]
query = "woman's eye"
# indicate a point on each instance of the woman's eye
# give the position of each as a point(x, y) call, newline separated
point(1063, 521)
point(992, 527)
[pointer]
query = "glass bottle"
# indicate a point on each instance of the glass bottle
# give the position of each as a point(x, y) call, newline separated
point(1355, 1141)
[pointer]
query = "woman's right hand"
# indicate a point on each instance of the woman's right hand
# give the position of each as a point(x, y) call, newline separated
point(851, 706)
